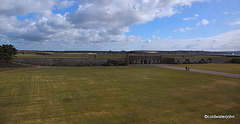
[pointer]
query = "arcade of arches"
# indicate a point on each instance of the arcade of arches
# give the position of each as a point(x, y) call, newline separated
point(145, 59)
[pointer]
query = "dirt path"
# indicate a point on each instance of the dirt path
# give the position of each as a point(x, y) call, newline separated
point(193, 70)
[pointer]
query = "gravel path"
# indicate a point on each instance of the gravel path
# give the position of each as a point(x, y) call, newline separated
point(193, 70)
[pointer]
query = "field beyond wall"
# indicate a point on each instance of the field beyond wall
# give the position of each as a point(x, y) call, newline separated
point(116, 95)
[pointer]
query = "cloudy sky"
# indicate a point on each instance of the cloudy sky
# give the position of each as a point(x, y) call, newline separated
point(121, 24)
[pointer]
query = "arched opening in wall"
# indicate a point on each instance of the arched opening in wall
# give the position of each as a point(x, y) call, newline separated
point(149, 61)
point(145, 61)
point(141, 61)
point(130, 62)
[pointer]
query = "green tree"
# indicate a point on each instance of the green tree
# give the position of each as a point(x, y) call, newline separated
point(7, 52)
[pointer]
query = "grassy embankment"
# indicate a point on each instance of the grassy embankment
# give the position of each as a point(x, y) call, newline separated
point(228, 68)
point(116, 95)
point(12, 66)
point(32, 55)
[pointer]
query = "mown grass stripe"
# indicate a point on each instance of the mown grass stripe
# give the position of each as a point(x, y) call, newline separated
point(115, 95)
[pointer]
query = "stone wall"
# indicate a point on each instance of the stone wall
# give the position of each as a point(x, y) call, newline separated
point(66, 61)
point(104, 61)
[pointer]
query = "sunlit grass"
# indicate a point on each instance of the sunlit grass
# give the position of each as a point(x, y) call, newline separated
point(8, 69)
point(116, 95)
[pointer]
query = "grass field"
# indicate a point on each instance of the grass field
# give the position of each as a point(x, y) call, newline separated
point(7, 69)
point(228, 68)
point(32, 55)
point(117, 95)
point(12, 66)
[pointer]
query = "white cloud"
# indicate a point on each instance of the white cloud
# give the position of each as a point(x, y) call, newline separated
point(66, 4)
point(191, 18)
point(166, 12)
point(57, 30)
point(183, 29)
point(148, 41)
point(119, 13)
point(228, 41)
point(154, 37)
point(196, 15)
point(231, 13)
point(156, 32)
point(225, 13)
point(205, 22)
point(23, 7)
point(236, 13)
point(94, 21)
point(237, 22)
point(97, 24)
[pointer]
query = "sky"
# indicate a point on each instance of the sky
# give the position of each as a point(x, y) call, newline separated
point(90, 25)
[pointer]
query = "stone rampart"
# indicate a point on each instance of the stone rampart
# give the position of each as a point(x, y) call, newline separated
point(66, 61)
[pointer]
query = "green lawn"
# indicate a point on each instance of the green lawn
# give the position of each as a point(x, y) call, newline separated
point(32, 55)
point(7, 69)
point(12, 66)
point(117, 95)
point(228, 68)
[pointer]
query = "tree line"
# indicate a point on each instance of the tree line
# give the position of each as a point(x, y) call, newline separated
point(7, 52)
